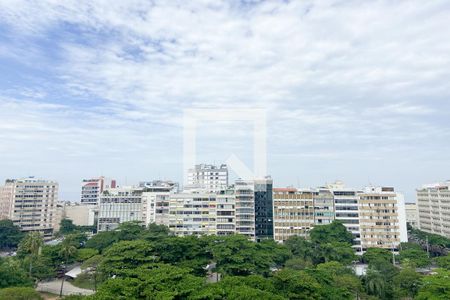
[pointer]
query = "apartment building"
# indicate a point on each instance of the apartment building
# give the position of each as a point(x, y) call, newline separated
point(293, 213)
point(346, 210)
point(155, 201)
point(193, 214)
point(263, 209)
point(91, 189)
point(433, 205)
point(412, 216)
point(244, 192)
point(118, 205)
point(323, 206)
point(31, 204)
point(226, 213)
point(382, 218)
point(210, 178)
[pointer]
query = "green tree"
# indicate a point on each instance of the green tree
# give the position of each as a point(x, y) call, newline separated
point(435, 287)
point(298, 264)
point(67, 227)
point(10, 235)
point(335, 251)
point(443, 262)
point(102, 240)
point(300, 247)
point(418, 257)
point(129, 231)
point(31, 245)
point(86, 253)
point(11, 274)
point(376, 254)
point(68, 250)
point(330, 233)
point(127, 255)
point(236, 255)
point(375, 283)
point(297, 285)
point(407, 283)
point(19, 293)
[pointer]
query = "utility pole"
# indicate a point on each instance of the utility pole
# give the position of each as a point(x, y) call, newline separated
point(393, 255)
point(428, 248)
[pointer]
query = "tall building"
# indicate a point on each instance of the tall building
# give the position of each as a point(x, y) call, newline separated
point(31, 204)
point(433, 204)
point(263, 209)
point(92, 188)
point(118, 205)
point(210, 178)
point(226, 213)
point(193, 214)
point(155, 201)
point(412, 216)
point(382, 218)
point(293, 213)
point(244, 192)
point(346, 209)
point(323, 206)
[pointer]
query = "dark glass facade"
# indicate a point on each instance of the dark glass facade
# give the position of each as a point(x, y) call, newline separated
point(263, 209)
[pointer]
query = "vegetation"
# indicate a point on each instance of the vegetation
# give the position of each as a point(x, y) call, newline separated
point(10, 235)
point(19, 293)
point(134, 262)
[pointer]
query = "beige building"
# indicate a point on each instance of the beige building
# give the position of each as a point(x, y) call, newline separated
point(31, 204)
point(293, 212)
point(433, 205)
point(193, 214)
point(80, 214)
point(412, 216)
point(323, 206)
point(382, 219)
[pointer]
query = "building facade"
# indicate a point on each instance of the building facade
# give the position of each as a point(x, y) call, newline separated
point(209, 178)
point(31, 204)
point(433, 205)
point(412, 216)
point(118, 205)
point(293, 213)
point(244, 192)
point(346, 209)
point(263, 209)
point(80, 214)
point(382, 218)
point(91, 189)
point(323, 206)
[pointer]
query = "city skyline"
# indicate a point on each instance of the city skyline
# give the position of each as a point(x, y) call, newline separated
point(353, 91)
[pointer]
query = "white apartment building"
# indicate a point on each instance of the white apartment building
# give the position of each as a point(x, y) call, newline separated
point(92, 188)
point(433, 204)
point(155, 201)
point(210, 178)
point(293, 213)
point(412, 215)
point(346, 209)
point(118, 205)
point(244, 192)
point(31, 204)
point(382, 218)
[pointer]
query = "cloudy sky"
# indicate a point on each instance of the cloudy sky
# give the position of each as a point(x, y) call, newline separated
point(354, 90)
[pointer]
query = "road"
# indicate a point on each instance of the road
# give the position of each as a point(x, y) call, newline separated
point(68, 289)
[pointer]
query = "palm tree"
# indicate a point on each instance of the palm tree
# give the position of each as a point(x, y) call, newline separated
point(67, 251)
point(32, 244)
point(375, 283)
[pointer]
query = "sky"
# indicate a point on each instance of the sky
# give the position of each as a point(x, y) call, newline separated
point(353, 90)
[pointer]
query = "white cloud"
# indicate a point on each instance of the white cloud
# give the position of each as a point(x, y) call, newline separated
point(338, 78)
